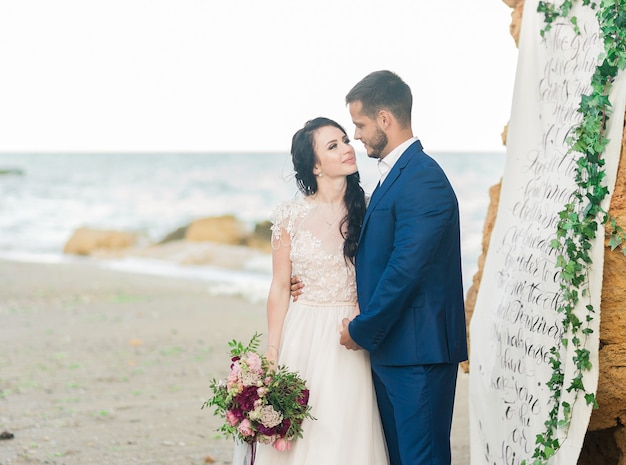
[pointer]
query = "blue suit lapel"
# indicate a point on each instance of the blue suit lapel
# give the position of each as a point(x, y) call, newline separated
point(391, 178)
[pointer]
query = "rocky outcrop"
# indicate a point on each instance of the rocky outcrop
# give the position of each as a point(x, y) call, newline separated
point(177, 235)
point(87, 241)
point(216, 240)
point(516, 18)
point(223, 229)
point(611, 394)
point(260, 238)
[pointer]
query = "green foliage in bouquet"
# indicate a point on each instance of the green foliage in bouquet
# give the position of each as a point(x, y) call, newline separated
point(258, 402)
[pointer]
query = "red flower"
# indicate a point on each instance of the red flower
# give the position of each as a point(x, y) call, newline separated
point(283, 427)
point(303, 399)
point(265, 430)
point(246, 398)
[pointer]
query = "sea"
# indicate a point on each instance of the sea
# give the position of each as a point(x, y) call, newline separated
point(45, 197)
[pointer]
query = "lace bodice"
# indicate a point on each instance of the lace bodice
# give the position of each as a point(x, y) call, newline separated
point(316, 252)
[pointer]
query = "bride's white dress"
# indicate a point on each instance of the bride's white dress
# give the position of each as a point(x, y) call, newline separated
point(347, 428)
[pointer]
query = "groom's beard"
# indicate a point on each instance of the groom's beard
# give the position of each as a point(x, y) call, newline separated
point(377, 144)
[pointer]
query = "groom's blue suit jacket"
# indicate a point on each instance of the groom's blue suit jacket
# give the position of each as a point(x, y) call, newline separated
point(408, 268)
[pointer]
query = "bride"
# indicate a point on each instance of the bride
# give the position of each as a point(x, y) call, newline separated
point(315, 238)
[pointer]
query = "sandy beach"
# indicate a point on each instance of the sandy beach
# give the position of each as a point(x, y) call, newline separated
point(105, 367)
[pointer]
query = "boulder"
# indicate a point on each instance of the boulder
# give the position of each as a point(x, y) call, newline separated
point(261, 237)
point(87, 241)
point(516, 21)
point(176, 235)
point(223, 229)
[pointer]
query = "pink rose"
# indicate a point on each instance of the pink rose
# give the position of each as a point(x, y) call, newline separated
point(254, 362)
point(231, 418)
point(245, 428)
point(232, 380)
point(282, 445)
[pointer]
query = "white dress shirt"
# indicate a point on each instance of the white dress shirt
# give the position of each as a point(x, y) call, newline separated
point(385, 164)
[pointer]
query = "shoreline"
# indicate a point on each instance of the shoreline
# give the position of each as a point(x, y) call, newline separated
point(236, 271)
point(102, 366)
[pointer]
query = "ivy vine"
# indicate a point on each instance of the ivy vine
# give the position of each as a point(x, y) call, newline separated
point(579, 219)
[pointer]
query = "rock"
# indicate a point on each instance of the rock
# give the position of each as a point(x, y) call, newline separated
point(263, 230)
point(261, 238)
point(175, 235)
point(223, 229)
point(516, 21)
point(516, 18)
point(87, 241)
point(611, 394)
point(600, 447)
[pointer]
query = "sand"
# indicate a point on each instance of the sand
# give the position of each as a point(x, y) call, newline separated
point(104, 367)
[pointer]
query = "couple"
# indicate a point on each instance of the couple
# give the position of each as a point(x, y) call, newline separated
point(402, 254)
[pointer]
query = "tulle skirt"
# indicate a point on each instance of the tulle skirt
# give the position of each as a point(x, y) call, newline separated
point(347, 429)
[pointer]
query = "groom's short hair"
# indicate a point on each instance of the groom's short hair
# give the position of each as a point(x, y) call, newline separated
point(383, 90)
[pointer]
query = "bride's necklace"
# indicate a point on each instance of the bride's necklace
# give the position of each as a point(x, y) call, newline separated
point(325, 219)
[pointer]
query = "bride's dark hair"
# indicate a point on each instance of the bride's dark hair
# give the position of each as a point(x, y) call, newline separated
point(304, 159)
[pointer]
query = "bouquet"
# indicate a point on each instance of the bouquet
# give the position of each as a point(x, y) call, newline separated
point(257, 402)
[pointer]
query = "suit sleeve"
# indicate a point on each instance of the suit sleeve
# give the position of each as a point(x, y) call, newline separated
point(425, 206)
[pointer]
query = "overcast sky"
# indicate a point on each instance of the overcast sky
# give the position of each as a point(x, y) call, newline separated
point(243, 75)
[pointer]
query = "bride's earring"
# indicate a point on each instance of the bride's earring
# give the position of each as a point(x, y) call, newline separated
point(319, 175)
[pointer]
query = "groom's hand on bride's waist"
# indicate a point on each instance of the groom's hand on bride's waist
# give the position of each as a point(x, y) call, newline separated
point(345, 339)
point(296, 287)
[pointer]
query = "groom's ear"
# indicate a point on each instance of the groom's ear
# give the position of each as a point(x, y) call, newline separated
point(384, 119)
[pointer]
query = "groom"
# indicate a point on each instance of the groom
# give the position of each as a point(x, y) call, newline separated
point(408, 270)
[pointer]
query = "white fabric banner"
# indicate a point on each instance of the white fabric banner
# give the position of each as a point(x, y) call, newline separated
point(515, 323)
